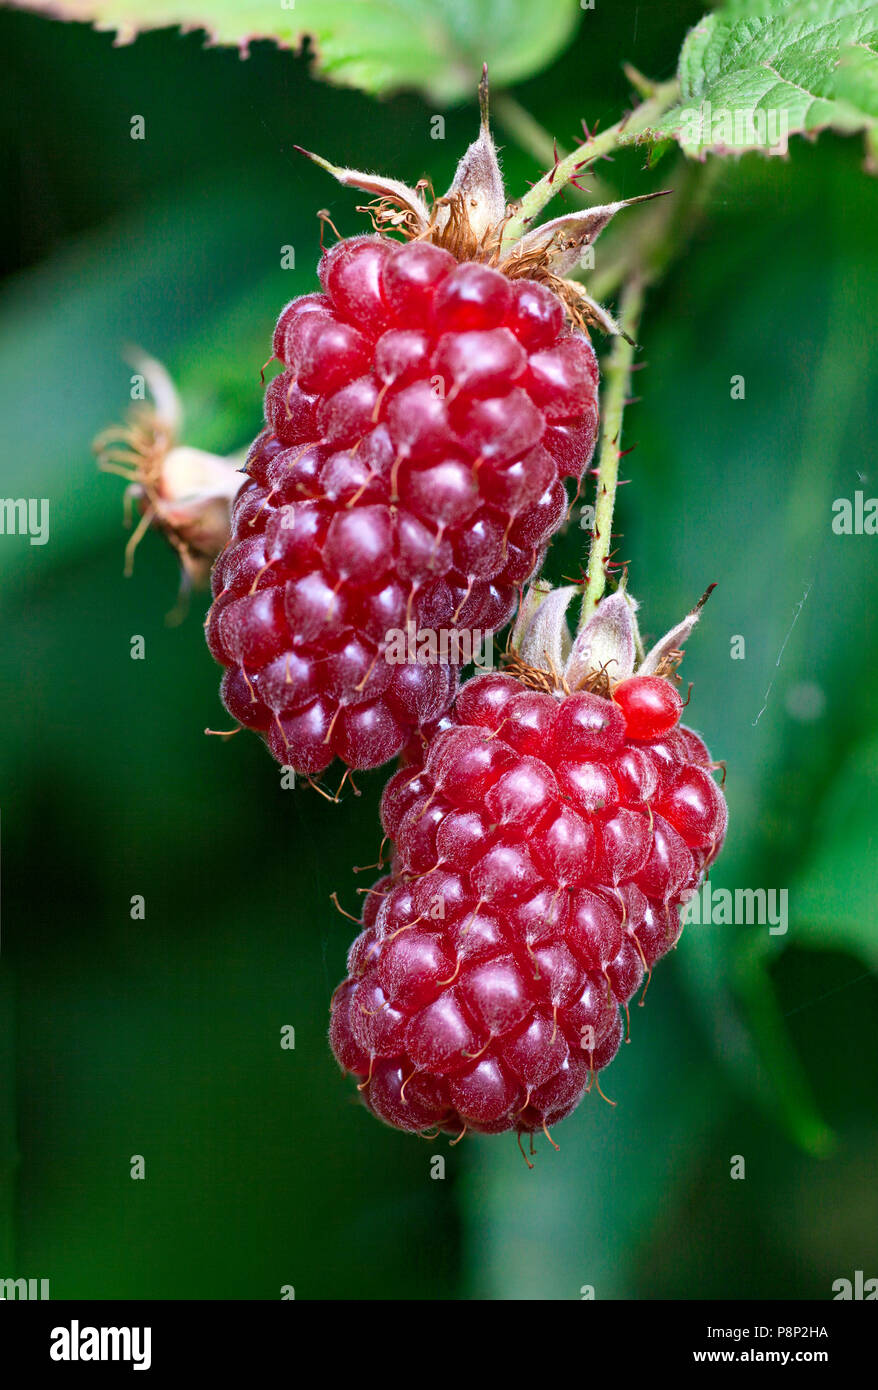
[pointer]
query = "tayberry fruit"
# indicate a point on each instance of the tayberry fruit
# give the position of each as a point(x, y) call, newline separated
point(431, 401)
point(544, 848)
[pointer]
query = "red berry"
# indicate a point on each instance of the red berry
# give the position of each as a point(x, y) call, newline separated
point(418, 435)
point(479, 363)
point(472, 296)
point(695, 806)
point(410, 282)
point(537, 318)
point(543, 854)
point(650, 704)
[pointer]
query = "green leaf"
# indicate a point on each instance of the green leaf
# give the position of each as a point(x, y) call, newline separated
point(836, 894)
point(753, 74)
point(379, 46)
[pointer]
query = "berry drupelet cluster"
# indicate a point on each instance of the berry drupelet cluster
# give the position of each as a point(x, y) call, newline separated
point(543, 852)
point(410, 474)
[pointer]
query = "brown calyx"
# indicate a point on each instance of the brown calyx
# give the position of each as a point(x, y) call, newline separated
point(457, 235)
point(551, 682)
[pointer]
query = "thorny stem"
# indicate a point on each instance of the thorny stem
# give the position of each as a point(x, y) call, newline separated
point(536, 140)
point(645, 255)
point(624, 131)
point(617, 376)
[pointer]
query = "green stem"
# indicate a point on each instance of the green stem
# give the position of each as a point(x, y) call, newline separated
point(635, 123)
point(617, 377)
point(527, 132)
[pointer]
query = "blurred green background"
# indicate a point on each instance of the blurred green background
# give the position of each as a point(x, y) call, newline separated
point(161, 1037)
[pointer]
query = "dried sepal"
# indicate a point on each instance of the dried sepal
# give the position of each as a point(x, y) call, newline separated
point(585, 310)
point(166, 400)
point(390, 192)
point(471, 218)
point(563, 239)
point(545, 642)
point(531, 601)
point(478, 185)
point(183, 492)
point(544, 655)
point(664, 658)
point(607, 644)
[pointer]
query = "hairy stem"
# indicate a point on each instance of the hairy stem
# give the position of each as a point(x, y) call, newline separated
point(527, 132)
point(617, 376)
point(623, 132)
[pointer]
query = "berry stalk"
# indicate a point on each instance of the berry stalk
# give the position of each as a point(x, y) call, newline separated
point(617, 377)
point(526, 130)
point(625, 130)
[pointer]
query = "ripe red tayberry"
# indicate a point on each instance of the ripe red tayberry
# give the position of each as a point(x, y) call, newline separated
point(544, 849)
point(403, 478)
point(433, 398)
